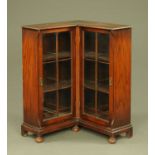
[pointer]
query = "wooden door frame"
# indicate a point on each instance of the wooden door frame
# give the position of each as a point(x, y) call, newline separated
point(40, 64)
point(91, 118)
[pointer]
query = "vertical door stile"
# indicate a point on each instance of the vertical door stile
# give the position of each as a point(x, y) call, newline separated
point(78, 70)
point(40, 65)
point(95, 93)
point(83, 64)
point(71, 54)
point(96, 70)
point(57, 75)
point(111, 80)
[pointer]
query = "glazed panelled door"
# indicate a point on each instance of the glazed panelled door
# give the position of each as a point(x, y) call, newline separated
point(57, 74)
point(96, 74)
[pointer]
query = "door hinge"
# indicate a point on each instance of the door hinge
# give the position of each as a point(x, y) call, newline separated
point(41, 82)
point(110, 81)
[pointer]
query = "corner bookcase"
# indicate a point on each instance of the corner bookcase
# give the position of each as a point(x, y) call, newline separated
point(77, 74)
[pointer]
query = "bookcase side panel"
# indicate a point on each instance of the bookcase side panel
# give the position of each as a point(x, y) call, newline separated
point(121, 46)
point(30, 77)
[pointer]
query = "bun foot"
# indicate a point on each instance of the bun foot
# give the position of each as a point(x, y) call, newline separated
point(76, 128)
point(39, 139)
point(112, 140)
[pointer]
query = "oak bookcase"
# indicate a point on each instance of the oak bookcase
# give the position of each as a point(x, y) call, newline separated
point(76, 74)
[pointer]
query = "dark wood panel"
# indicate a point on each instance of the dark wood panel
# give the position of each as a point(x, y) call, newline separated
point(121, 47)
point(57, 119)
point(77, 71)
point(49, 128)
point(46, 87)
point(30, 77)
point(104, 129)
point(96, 119)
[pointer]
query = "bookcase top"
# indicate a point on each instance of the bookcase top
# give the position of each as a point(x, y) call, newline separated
point(89, 24)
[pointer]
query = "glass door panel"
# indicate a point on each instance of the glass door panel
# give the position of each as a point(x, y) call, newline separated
point(57, 76)
point(64, 45)
point(89, 74)
point(89, 101)
point(64, 74)
point(96, 74)
point(102, 105)
point(50, 109)
point(65, 101)
point(103, 47)
point(49, 47)
point(103, 78)
point(49, 77)
point(89, 45)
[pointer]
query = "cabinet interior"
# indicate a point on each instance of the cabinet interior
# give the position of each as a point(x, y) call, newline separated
point(57, 77)
point(96, 74)
point(57, 74)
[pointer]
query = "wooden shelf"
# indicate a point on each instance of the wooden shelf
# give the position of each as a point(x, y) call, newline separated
point(51, 110)
point(90, 84)
point(49, 87)
point(90, 54)
point(102, 87)
point(51, 56)
point(49, 113)
point(65, 59)
point(99, 113)
point(102, 57)
point(64, 54)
